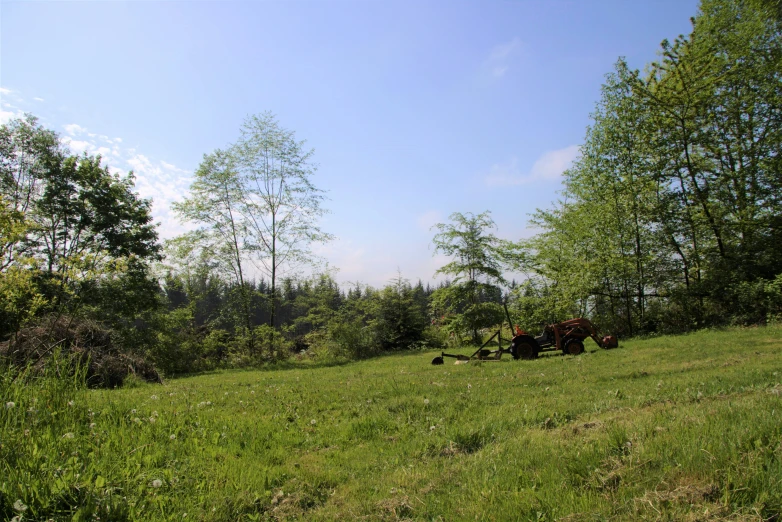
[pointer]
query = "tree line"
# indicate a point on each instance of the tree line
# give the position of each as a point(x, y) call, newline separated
point(668, 221)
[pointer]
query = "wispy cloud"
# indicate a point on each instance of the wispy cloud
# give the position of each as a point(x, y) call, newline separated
point(38, 99)
point(3, 90)
point(427, 220)
point(548, 167)
point(501, 57)
point(73, 129)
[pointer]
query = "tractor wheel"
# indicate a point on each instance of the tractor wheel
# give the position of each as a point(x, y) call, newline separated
point(437, 360)
point(525, 348)
point(574, 347)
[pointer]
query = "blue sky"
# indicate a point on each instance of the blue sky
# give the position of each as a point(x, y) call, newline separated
point(415, 109)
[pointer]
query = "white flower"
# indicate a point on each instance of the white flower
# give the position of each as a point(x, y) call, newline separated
point(172, 436)
point(313, 422)
point(469, 386)
point(9, 405)
point(154, 414)
point(432, 428)
point(153, 397)
point(70, 403)
point(426, 401)
point(137, 420)
point(133, 410)
point(157, 483)
point(92, 425)
point(152, 420)
point(20, 506)
point(68, 435)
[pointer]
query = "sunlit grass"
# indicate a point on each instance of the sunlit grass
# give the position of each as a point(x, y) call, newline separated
point(669, 428)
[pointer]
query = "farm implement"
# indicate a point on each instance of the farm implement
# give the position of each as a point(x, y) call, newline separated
point(566, 336)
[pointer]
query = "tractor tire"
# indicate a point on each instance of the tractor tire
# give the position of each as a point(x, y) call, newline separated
point(574, 347)
point(525, 347)
point(437, 361)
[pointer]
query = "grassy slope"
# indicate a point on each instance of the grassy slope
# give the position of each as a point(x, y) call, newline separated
point(670, 428)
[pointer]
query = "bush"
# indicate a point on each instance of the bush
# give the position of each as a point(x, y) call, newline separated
point(83, 343)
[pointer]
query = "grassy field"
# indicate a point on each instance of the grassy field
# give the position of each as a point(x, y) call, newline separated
point(671, 428)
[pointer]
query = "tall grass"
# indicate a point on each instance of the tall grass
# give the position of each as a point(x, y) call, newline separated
point(672, 428)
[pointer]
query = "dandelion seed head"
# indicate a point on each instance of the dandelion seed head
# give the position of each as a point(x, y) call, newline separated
point(133, 410)
point(153, 397)
point(313, 422)
point(70, 403)
point(157, 483)
point(92, 425)
point(432, 428)
point(68, 435)
point(20, 506)
point(172, 436)
point(426, 401)
point(9, 405)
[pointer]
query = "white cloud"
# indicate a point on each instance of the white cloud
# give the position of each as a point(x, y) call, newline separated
point(78, 146)
point(74, 129)
point(173, 168)
point(38, 99)
point(3, 90)
point(548, 167)
point(498, 61)
point(6, 116)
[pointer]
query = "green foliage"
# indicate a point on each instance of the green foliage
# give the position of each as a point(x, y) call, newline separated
point(255, 203)
point(76, 239)
point(471, 302)
point(671, 215)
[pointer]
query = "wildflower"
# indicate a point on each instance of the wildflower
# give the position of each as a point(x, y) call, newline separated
point(157, 483)
point(137, 420)
point(9, 405)
point(133, 410)
point(426, 401)
point(432, 428)
point(313, 422)
point(20, 506)
point(68, 435)
point(469, 386)
point(252, 392)
point(208, 403)
point(70, 403)
point(92, 425)
point(154, 397)
point(154, 414)
point(152, 420)
point(172, 436)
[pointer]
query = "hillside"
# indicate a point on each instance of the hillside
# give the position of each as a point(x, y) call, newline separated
point(668, 428)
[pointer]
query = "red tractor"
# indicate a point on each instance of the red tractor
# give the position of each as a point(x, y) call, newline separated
point(567, 336)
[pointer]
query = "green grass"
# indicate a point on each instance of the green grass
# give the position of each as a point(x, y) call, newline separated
point(671, 428)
